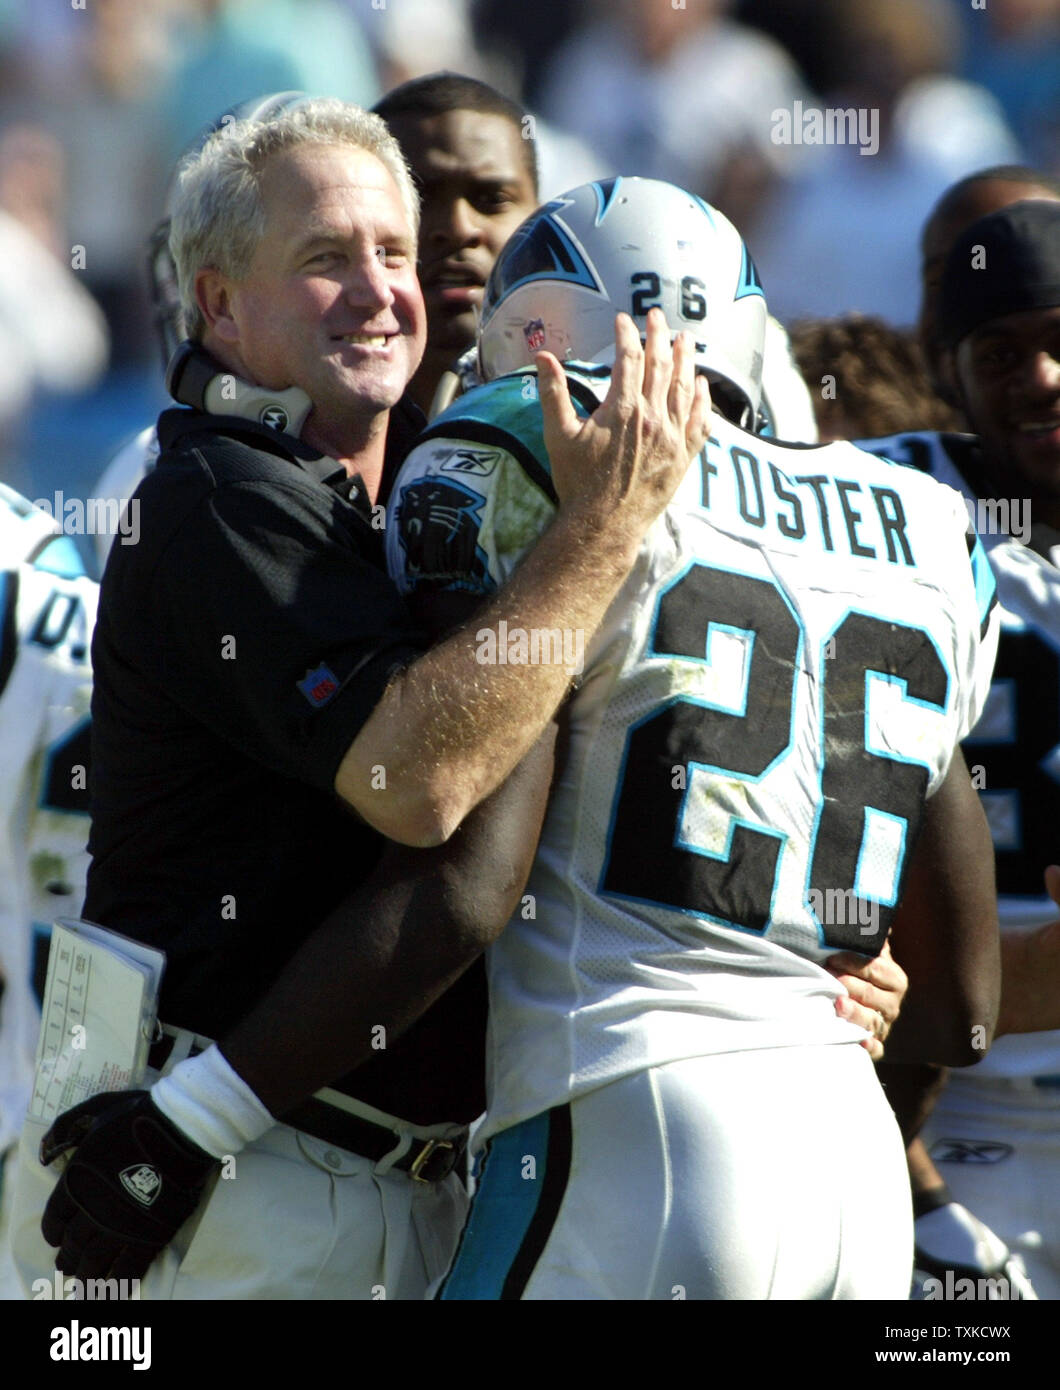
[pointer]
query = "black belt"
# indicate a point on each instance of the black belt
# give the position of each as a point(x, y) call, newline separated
point(427, 1160)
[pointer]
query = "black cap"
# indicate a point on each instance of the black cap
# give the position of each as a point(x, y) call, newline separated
point(1002, 264)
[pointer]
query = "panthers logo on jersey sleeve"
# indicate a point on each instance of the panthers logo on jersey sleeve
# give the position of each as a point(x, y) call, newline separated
point(437, 524)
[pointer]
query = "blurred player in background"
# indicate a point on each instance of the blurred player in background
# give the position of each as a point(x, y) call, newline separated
point(988, 190)
point(47, 611)
point(668, 983)
point(473, 158)
point(991, 322)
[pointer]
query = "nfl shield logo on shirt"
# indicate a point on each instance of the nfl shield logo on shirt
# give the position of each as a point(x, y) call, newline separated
point(319, 686)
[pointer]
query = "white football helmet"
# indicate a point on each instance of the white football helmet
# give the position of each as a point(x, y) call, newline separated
point(627, 244)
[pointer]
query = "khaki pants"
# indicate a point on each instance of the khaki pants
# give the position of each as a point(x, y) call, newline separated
point(295, 1219)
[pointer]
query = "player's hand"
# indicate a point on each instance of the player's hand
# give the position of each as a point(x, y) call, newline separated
point(132, 1182)
point(875, 990)
point(623, 464)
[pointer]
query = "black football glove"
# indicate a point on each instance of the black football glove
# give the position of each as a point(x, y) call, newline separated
point(132, 1182)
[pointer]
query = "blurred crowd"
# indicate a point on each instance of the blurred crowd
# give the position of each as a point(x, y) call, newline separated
point(99, 98)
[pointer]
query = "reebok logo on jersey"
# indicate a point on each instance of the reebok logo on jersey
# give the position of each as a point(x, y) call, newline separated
point(319, 686)
point(142, 1182)
point(970, 1151)
point(481, 462)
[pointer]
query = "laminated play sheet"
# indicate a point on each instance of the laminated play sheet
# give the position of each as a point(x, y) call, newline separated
point(100, 1008)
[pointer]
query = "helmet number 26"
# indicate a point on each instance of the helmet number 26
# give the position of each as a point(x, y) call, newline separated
point(647, 288)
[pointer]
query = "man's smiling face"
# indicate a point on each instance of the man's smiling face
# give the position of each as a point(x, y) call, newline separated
point(1008, 373)
point(330, 301)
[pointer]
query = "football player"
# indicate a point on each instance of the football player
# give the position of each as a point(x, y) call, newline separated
point(760, 763)
point(47, 611)
point(473, 157)
point(963, 203)
point(993, 324)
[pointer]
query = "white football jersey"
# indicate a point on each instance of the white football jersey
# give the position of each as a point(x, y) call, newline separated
point(47, 612)
point(1014, 750)
point(806, 635)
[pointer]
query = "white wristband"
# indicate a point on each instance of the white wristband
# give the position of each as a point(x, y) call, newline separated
point(211, 1104)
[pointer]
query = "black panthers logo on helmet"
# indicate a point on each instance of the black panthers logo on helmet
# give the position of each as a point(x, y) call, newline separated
point(438, 523)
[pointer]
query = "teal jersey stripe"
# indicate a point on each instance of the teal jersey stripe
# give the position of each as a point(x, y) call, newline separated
point(985, 583)
point(61, 557)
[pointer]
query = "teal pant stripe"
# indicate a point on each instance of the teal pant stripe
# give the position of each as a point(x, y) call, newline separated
point(506, 1201)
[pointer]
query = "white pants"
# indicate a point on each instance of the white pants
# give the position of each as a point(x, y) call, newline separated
point(997, 1145)
point(773, 1174)
point(297, 1219)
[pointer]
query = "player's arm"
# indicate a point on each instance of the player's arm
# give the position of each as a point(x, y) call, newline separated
point(449, 729)
point(1030, 973)
point(394, 946)
point(382, 957)
point(945, 932)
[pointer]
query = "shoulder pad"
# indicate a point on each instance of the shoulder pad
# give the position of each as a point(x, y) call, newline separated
point(506, 414)
point(27, 532)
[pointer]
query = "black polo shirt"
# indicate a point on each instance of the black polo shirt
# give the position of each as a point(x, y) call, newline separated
point(241, 644)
